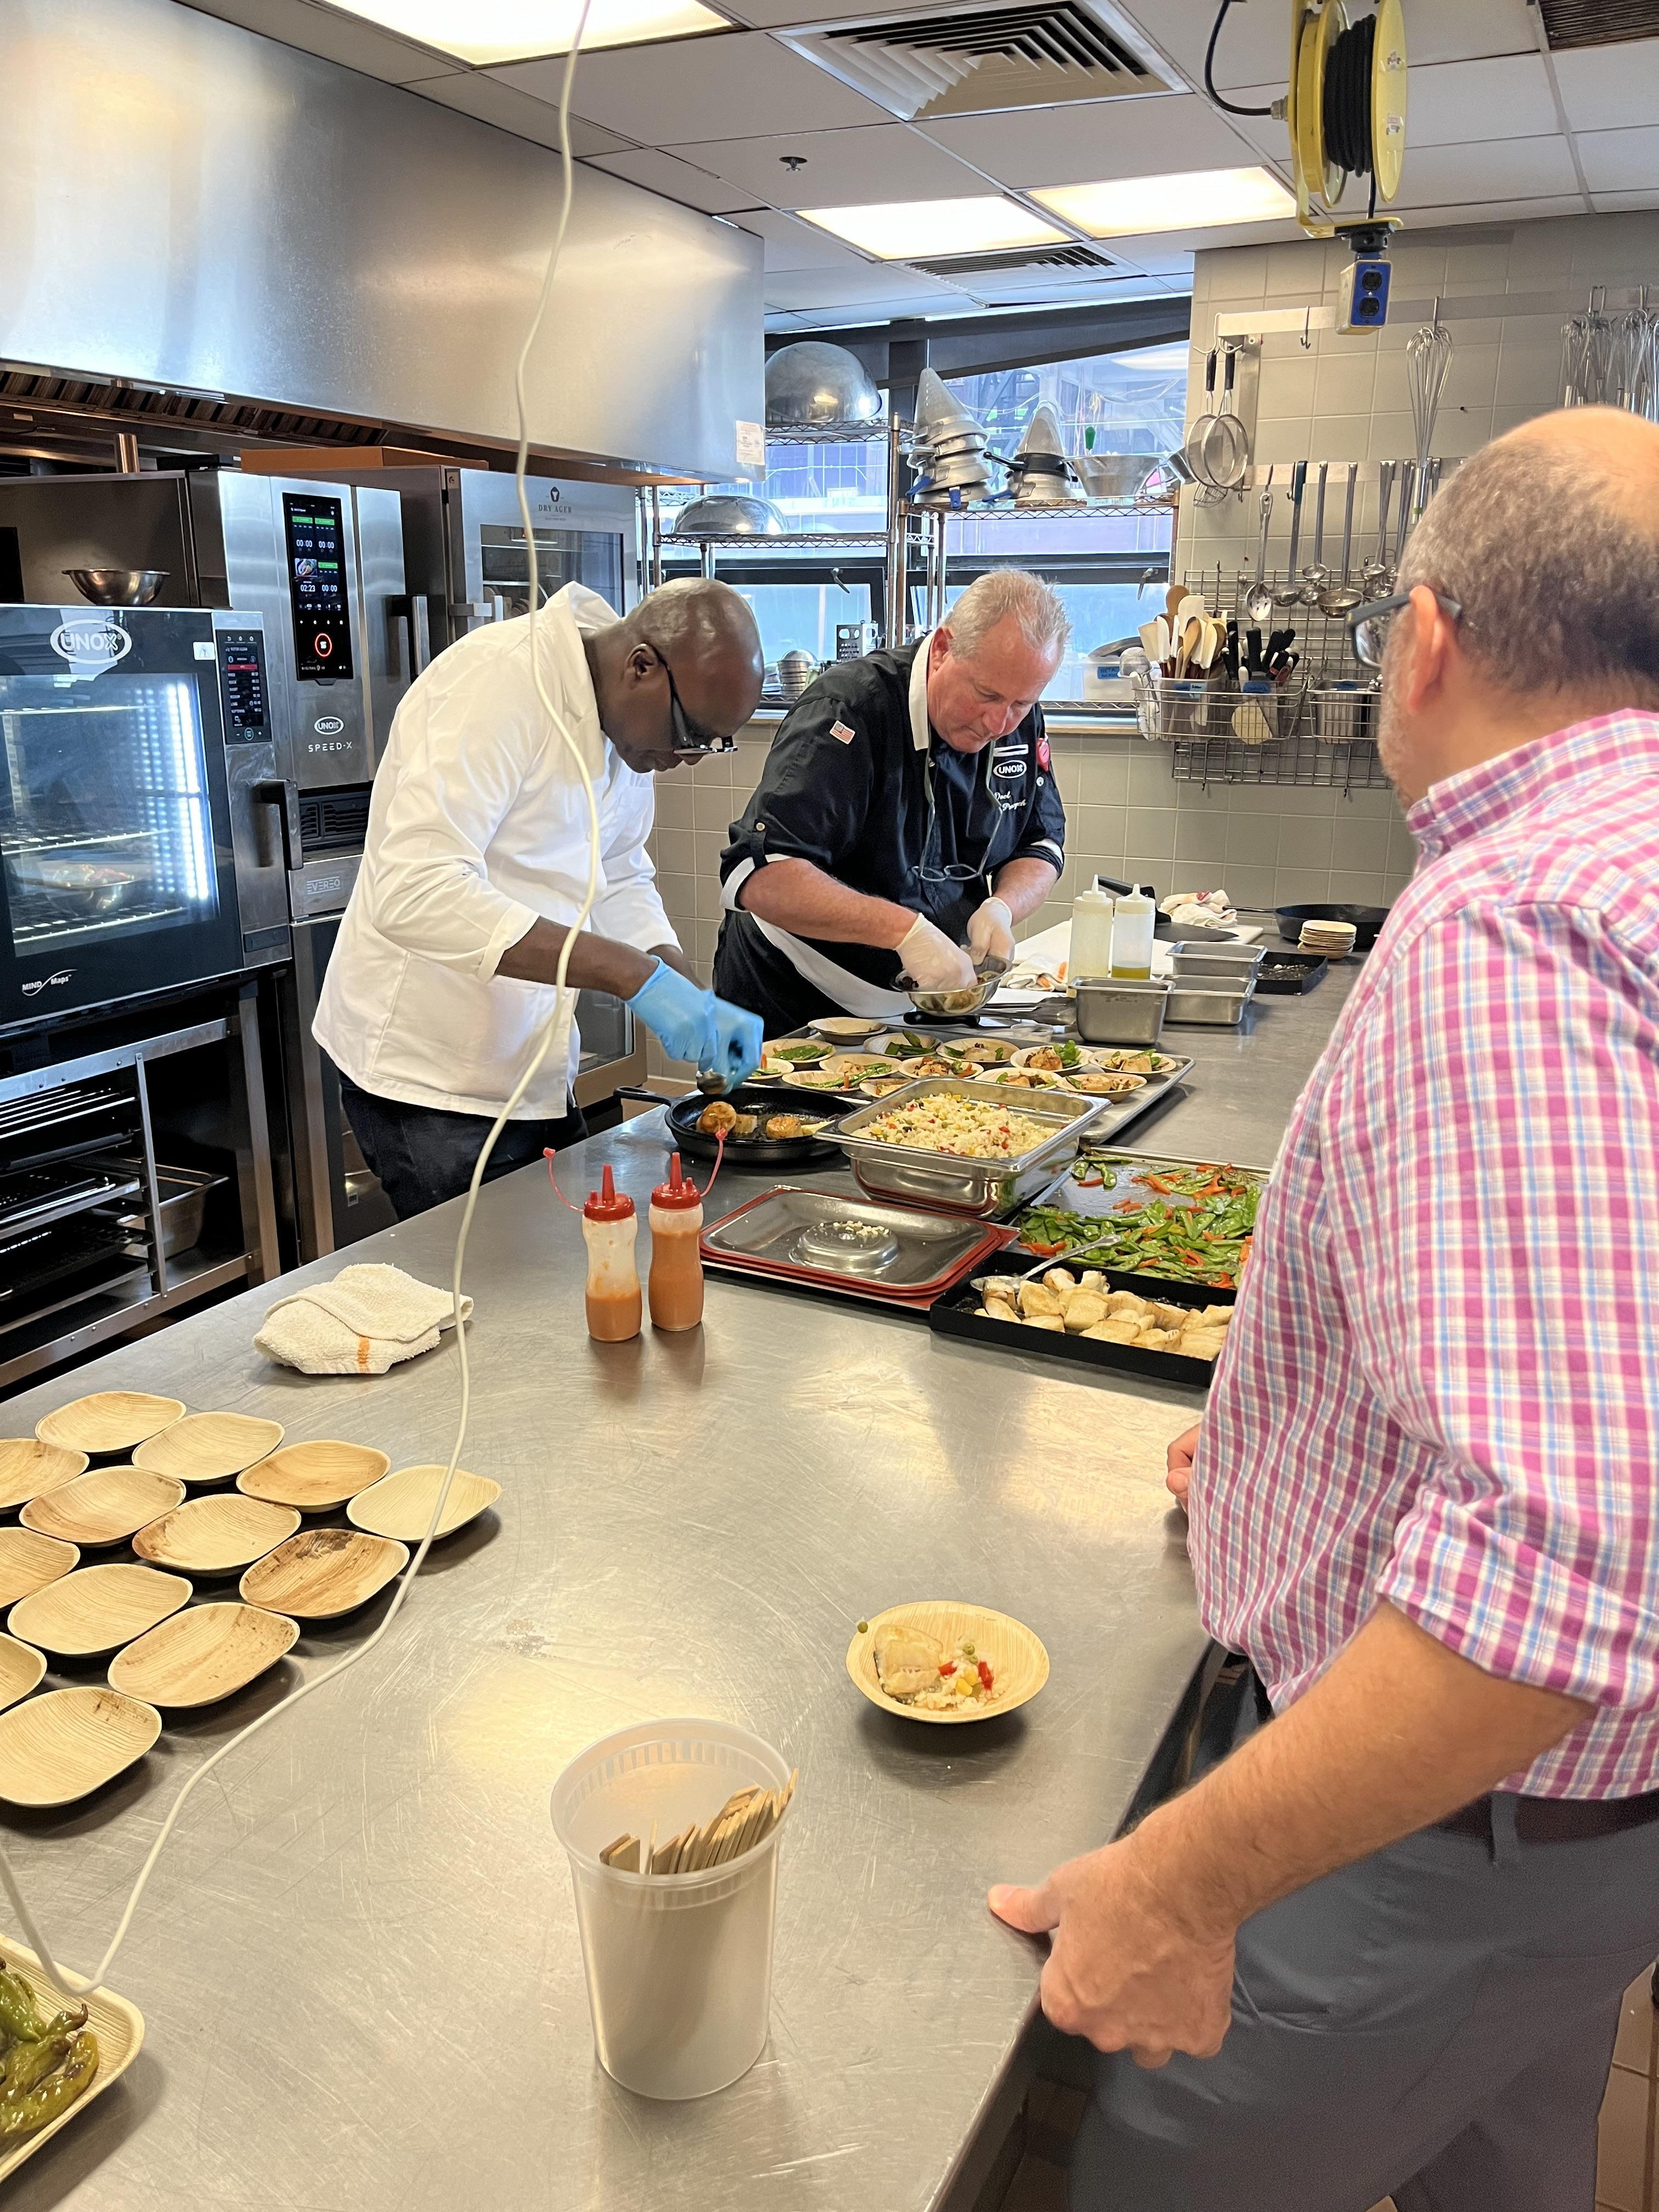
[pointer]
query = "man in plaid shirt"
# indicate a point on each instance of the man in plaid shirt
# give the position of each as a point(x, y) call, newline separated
point(1381, 1947)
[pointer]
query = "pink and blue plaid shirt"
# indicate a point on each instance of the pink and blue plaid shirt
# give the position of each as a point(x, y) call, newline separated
point(1441, 1387)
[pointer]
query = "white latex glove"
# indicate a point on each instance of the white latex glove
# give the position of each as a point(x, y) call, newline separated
point(932, 962)
point(991, 931)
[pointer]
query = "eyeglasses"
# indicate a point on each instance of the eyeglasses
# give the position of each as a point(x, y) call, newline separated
point(1367, 625)
point(689, 738)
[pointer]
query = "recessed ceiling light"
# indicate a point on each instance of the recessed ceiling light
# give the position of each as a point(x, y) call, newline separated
point(1129, 207)
point(905, 229)
point(485, 31)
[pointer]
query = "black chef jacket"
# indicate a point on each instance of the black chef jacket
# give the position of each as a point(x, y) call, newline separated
point(857, 783)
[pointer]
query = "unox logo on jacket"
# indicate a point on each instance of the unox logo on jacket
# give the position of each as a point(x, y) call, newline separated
point(90, 645)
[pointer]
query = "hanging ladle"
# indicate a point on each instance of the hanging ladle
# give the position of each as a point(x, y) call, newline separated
point(1340, 598)
point(1259, 599)
point(1289, 592)
point(1316, 575)
point(1376, 572)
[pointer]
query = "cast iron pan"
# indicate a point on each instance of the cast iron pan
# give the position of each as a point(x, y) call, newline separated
point(755, 1098)
point(1367, 922)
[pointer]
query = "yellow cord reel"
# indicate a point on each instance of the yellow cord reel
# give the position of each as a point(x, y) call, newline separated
point(1346, 106)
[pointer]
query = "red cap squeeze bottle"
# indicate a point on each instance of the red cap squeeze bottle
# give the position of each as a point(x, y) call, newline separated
point(605, 1205)
point(677, 1191)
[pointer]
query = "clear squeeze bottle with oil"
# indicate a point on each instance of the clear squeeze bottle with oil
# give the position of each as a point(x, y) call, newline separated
point(1090, 950)
point(1133, 920)
point(676, 1281)
point(609, 1228)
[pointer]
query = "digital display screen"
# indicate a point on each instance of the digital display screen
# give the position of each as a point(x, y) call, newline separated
point(242, 685)
point(317, 585)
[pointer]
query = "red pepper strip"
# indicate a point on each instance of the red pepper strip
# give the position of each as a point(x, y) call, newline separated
point(985, 1673)
point(948, 1666)
point(1225, 1283)
point(1048, 1251)
point(1090, 1182)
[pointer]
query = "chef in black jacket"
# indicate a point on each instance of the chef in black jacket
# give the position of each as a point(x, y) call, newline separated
point(907, 817)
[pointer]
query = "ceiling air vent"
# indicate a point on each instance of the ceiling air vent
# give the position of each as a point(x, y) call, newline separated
point(1062, 258)
point(966, 62)
point(1569, 23)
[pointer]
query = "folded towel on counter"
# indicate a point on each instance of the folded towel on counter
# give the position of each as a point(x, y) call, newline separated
point(363, 1321)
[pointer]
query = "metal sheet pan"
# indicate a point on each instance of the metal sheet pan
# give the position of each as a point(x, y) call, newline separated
point(932, 1248)
point(1131, 1169)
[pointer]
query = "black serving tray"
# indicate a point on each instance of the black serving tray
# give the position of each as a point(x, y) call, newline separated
point(955, 1314)
point(1286, 973)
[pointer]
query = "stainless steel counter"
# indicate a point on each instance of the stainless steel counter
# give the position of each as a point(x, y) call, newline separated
point(358, 1959)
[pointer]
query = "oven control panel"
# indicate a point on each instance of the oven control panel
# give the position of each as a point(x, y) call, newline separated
point(243, 690)
point(315, 530)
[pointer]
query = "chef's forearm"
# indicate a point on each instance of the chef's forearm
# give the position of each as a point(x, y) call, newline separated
point(597, 963)
point(1024, 884)
point(673, 957)
point(1398, 1732)
point(793, 895)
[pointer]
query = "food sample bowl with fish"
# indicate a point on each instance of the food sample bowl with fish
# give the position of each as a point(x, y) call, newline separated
point(944, 1662)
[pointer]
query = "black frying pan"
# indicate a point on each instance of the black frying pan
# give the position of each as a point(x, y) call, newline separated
point(683, 1114)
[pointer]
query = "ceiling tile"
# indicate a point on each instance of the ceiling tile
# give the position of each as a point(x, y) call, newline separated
point(792, 244)
point(908, 290)
point(1253, 49)
point(1080, 143)
point(344, 39)
point(843, 169)
point(1618, 203)
point(783, 15)
point(1467, 212)
point(676, 180)
point(1610, 87)
point(476, 93)
point(1450, 101)
point(1621, 160)
point(684, 90)
point(1491, 169)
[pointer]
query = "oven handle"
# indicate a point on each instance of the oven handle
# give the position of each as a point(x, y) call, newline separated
point(284, 796)
point(411, 652)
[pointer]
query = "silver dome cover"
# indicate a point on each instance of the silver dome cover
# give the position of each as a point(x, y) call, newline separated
point(728, 514)
point(818, 384)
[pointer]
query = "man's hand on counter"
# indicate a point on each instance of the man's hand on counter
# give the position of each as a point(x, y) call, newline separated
point(1178, 1479)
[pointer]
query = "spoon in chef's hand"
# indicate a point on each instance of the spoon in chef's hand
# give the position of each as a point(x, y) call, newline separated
point(1290, 593)
point(1316, 575)
point(1377, 573)
point(1259, 599)
point(1337, 598)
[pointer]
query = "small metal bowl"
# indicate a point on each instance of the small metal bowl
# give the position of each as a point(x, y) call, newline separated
point(118, 587)
point(954, 1006)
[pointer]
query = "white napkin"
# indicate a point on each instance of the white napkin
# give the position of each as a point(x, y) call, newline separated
point(363, 1321)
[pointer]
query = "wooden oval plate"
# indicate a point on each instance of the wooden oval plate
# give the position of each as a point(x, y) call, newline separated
point(118, 2026)
point(1018, 1663)
point(27, 1466)
point(401, 1505)
point(20, 1668)
point(323, 1572)
point(29, 1562)
point(215, 1536)
point(203, 1653)
point(97, 1609)
point(315, 1477)
point(60, 1747)
point(209, 1447)
point(108, 1421)
point(103, 1507)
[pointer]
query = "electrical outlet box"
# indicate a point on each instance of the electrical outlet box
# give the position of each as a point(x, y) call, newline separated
point(1361, 302)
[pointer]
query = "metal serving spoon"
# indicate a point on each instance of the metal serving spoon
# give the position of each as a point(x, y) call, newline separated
point(1289, 592)
point(1376, 572)
point(1339, 597)
point(1316, 575)
point(1259, 599)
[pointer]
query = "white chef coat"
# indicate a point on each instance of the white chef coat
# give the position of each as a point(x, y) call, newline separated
point(477, 827)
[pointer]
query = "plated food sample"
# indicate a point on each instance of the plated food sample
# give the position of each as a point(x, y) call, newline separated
point(969, 1129)
point(797, 1052)
point(49, 2059)
point(1085, 1304)
point(917, 1669)
point(943, 1662)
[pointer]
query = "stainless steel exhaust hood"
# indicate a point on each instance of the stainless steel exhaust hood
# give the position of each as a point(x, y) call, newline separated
point(188, 205)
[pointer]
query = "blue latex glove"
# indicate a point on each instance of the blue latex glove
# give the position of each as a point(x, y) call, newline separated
point(680, 1014)
point(738, 1034)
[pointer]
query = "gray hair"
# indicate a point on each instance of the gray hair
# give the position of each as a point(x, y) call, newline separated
point(1540, 545)
point(1005, 595)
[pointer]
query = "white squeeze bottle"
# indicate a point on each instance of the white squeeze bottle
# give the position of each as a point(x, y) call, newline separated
point(1133, 923)
point(1091, 951)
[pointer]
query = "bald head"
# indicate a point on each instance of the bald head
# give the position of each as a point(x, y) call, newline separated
point(693, 642)
point(1547, 540)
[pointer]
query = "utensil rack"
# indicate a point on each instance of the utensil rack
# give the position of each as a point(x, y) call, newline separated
point(1307, 762)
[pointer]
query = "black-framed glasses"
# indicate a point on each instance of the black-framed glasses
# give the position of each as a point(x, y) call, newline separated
point(690, 737)
point(1367, 625)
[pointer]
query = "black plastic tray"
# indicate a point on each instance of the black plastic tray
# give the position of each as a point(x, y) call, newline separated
point(955, 1314)
point(1285, 975)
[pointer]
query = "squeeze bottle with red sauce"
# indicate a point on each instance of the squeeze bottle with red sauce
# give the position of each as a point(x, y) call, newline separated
point(676, 1262)
point(609, 1228)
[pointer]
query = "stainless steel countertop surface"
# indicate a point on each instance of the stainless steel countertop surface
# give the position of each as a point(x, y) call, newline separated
point(357, 1959)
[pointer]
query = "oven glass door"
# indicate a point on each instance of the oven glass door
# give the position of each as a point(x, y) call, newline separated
point(116, 874)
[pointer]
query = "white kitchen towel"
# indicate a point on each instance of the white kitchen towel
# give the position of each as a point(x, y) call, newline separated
point(363, 1321)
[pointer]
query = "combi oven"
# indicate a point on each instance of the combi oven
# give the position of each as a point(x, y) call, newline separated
point(141, 812)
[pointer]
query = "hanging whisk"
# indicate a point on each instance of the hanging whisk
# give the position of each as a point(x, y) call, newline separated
point(1428, 357)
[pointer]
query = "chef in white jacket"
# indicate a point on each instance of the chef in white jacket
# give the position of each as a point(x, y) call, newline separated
point(475, 863)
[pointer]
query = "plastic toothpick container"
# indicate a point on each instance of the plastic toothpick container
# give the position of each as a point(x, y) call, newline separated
point(678, 1966)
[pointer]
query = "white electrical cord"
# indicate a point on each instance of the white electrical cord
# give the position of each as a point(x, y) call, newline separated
point(64, 1978)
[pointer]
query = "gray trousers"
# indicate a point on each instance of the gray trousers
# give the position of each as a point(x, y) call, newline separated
point(1434, 2023)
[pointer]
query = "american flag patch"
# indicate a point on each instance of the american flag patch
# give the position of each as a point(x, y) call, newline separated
point(841, 729)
